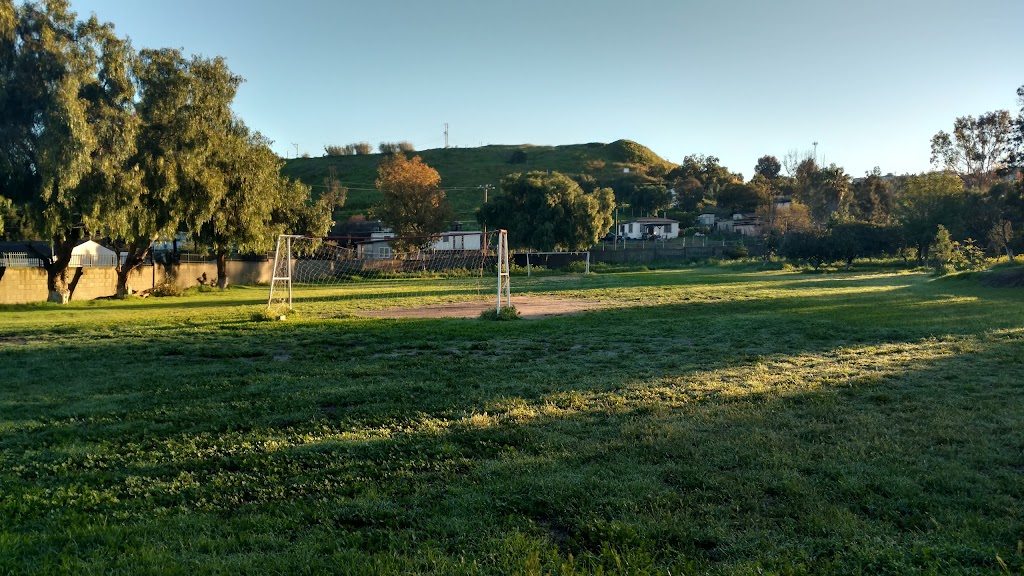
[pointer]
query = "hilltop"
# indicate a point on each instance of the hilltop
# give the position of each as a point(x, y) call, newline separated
point(464, 171)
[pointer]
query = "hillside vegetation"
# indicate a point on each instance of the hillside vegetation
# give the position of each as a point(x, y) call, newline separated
point(464, 171)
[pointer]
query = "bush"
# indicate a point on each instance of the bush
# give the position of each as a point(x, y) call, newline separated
point(736, 252)
point(507, 313)
point(362, 148)
point(334, 150)
point(406, 146)
point(578, 267)
point(388, 147)
point(166, 289)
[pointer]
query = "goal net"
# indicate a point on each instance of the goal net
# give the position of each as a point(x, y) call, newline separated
point(313, 274)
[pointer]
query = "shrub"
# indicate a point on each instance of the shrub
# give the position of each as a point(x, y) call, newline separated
point(362, 148)
point(406, 146)
point(736, 252)
point(334, 150)
point(507, 313)
point(166, 289)
point(388, 147)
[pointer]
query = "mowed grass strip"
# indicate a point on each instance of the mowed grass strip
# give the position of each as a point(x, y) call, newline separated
point(710, 421)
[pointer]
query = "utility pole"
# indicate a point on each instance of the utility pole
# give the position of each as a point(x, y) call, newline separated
point(445, 134)
point(483, 237)
point(296, 149)
point(815, 152)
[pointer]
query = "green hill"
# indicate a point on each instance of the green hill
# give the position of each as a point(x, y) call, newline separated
point(464, 171)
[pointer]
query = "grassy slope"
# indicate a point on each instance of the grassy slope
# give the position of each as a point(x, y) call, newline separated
point(722, 422)
point(465, 169)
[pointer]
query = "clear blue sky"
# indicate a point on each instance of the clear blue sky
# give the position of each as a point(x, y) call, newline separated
point(870, 80)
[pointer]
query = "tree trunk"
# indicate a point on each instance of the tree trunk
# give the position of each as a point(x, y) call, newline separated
point(79, 272)
point(136, 256)
point(222, 270)
point(57, 287)
point(1009, 255)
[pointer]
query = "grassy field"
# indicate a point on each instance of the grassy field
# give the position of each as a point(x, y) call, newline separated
point(717, 420)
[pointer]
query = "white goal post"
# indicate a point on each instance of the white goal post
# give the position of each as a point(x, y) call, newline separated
point(339, 267)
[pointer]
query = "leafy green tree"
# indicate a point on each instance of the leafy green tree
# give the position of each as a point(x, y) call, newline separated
point(826, 191)
point(1001, 236)
point(977, 149)
point(740, 198)
point(852, 240)
point(67, 126)
point(927, 201)
point(1016, 157)
point(650, 199)
point(414, 204)
point(708, 171)
point(184, 109)
point(872, 198)
point(257, 203)
point(943, 250)
point(769, 167)
point(549, 211)
point(812, 246)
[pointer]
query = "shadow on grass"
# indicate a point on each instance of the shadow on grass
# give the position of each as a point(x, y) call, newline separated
point(898, 458)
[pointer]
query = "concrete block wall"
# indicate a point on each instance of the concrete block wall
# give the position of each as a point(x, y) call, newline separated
point(27, 285)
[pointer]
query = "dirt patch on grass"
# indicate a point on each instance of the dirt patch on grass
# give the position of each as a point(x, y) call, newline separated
point(528, 306)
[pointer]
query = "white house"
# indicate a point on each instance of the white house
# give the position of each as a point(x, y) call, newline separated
point(745, 224)
point(379, 247)
point(646, 228)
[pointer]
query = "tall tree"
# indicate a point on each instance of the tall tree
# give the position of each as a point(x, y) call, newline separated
point(740, 198)
point(257, 203)
point(650, 199)
point(1016, 157)
point(549, 211)
point(925, 202)
point(872, 198)
point(185, 113)
point(414, 204)
point(66, 125)
point(707, 170)
point(977, 149)
point(825, 190)
point(769, 167)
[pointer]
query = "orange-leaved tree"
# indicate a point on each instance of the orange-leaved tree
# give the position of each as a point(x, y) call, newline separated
point(414, 204)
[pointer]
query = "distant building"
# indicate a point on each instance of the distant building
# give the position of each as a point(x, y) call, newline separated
point(378, 246)
point(648, 228)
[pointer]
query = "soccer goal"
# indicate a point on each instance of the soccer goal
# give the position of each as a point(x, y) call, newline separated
point(309, 271)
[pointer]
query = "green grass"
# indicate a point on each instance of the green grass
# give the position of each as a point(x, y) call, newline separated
point(464, 170)
point(716, 420)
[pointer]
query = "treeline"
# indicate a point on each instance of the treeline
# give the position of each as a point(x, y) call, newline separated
point(364, 148)
point(816, 213)
point(98, 140)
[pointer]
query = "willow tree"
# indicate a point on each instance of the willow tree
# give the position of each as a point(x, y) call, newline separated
point(257, 203)
point(184, 110)
point(67, 126)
